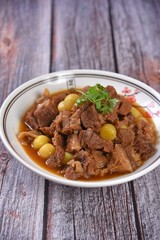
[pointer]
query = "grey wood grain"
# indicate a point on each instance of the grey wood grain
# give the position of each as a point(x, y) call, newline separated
point(24, 54)
point(137, 31)
point(82, 35)
point(136, 37)
point(82, 39)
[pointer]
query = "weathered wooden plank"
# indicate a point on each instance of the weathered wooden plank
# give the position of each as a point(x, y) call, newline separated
point(24, 53)
point(82, 36)
point(82, 39)
point(136, 33)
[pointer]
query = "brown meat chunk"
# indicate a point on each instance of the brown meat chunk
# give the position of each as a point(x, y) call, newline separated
point(129, 118)
point(144, 148)
point(58, 140)
point(31, 121)
point(49, 131)
point(146, 130)
point(108, 147)
point(61, 120)
point(126, 121)
point(90, 167)
point(67, 123)
point(119, 162)
point(81, 156)
point(126, 136)
point(112, 116)
point(90, 119)
point(145, 139)
point(60, 97)
point(46, 112)
point(133, 157)
point(125, 106)
point(91, 140)
point(74, 170)
point(112, 91)
point(56, 159)
point(73, 144)
point(100, 160)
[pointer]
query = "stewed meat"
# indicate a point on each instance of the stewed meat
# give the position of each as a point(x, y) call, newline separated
point(88, 138)
point(90, 119)
point(119, 161)
point(97, 136)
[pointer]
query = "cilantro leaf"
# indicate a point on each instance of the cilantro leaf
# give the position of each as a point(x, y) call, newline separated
point(100, 97)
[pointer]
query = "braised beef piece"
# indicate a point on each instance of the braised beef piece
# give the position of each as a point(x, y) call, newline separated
point(46, 112)
point(88, 138)
point(67, 123)
point(73, 144)
point(100, 159)
point(74, 170)
point(125, 121)
point(133, 157)
point(112, 91)
point(119, 162)
point(61, 120)
point(144, 148)
point(112, 116)
point(108, 147)
point(31, 121)
point(85, 89)
point(81, 156)
point(145, 130)
point(125, 106)
point(90, 167)
point(56, 159)
point(60, 97)
point(126, 136)
point(71, 174)
point(58, 140)
point(129, 118)
point(49, 131)
point(90, 119)
point(83, 165)
point(145, 139)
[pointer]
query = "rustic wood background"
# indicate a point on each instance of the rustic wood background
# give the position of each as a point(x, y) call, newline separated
point(38, 37)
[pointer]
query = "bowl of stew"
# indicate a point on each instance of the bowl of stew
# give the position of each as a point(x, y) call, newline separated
point(83, 128)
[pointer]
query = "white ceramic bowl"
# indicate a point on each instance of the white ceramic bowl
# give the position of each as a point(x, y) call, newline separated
point(21, 98)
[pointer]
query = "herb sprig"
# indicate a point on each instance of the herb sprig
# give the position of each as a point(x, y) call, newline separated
point(100, 97)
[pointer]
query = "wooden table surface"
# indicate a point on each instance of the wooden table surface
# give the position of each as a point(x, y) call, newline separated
point(38, 37)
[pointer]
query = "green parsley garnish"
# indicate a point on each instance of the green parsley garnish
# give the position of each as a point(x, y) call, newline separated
point(100, 97)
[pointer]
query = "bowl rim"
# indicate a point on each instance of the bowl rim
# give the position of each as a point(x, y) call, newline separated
point(54, 177)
